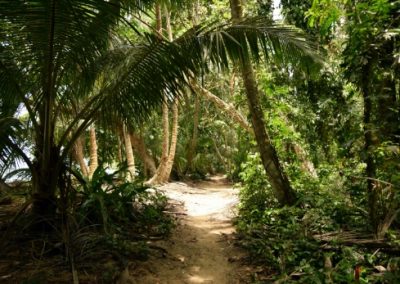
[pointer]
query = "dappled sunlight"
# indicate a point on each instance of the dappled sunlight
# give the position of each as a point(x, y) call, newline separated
point(200, 279)
point(204, 202)
point(212, 227)
point(227, 231)
point(197, 275)
point(210, 205)
point(200, 248)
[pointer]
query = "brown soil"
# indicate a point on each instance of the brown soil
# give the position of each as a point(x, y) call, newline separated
point(201, 248)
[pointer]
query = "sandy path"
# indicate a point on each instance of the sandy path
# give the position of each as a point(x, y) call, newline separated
point(200, 249)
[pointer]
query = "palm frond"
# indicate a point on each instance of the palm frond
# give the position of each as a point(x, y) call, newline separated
point(11, 154)
point(254, 38)
point(135, 78)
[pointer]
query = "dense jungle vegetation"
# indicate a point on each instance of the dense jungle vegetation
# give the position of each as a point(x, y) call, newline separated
point(296, 101)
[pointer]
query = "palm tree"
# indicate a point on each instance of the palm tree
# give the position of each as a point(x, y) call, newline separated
point(54, 51)
point(61, 49)
point(168, 147)
point(93, 153)
point(130, 158)
point(276, 175)
point(139, 146)
point(79, 156)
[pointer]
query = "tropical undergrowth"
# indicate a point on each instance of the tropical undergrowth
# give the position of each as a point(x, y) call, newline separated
point(323, 239)
point(100, 225)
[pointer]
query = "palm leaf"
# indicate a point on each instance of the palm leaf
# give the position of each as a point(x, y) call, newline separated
point(250, 38)
point(134, 78)
point(11, 149)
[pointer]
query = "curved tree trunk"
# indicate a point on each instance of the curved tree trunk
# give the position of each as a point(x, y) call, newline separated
point(168, 152)
point(276, 176)
point(79, 156)
point(130, 159)
point(164, 154)
point(140, 148)
point(225, 107)
point(119, 150)
point(174, 140)
point(165, 120)
point(175, 116)
point(93, 160)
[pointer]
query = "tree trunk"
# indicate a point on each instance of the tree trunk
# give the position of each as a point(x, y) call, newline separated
point(174, 140)
point(227, 109)
point(93, 160)
point(305, 164)
point(168, 152)
point(368, 144)
point(165, 120)
point(79, 156)
point(158, 20)
point(46, 174)
point(156, 179)
point(175, 115)
point(195, 12)
point(140, 148)
point(276, 176)
point(44, 182)
point(119, 150)
point(130, 159)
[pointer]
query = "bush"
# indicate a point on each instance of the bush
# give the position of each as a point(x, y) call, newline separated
point(113, 204)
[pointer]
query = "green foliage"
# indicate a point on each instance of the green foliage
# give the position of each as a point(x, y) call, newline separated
point(243, 147)
point(113, 205)
point(324, 14)
point(285, 239)
point(255, 194)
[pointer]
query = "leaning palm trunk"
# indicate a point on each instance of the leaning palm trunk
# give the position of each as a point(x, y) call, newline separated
point(93, 160)
point(79, 156)
point(140, 148)
point(119, 150)
point(226, 108)
point(130, 159)
point(175, 115)
point(157, 178)
point(165, 120)
point(168, 152)
point(164, 176)
point(276, 176)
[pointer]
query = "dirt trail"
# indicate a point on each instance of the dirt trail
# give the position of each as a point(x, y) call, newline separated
point(200, 249)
